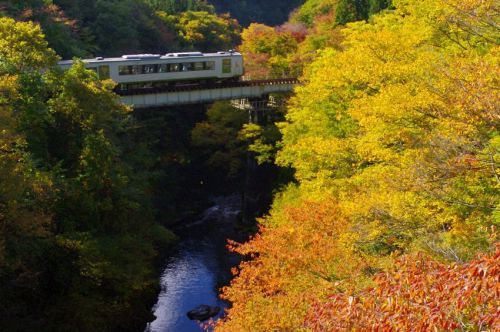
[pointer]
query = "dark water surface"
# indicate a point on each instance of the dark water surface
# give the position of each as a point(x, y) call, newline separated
point(198, 267)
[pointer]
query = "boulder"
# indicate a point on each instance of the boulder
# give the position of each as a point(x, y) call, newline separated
point(203, 312)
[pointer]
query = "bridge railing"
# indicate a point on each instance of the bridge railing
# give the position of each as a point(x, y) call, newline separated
point(205, 93)
point(208, 86)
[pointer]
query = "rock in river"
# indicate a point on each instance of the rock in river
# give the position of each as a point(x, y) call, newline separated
point(203, 312)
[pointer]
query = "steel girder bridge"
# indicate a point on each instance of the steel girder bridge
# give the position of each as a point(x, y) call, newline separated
point(242, 93)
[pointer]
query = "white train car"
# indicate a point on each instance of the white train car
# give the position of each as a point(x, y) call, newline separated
point(154, 70)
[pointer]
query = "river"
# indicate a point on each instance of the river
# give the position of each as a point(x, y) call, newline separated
point(197, 268)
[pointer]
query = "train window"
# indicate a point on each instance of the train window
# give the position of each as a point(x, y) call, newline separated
point(199, 66)
point(189, 66)
point(104, 72)
point(93, 69)
point(210, 65)
point(226, 66)
point(163, 68)
point(124, 70)
point(127, 70)
point(149, 69)
point(175, 67)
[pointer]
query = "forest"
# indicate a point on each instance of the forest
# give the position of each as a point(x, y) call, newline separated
point(88, 189)
point(391, 222)
point(385, 207)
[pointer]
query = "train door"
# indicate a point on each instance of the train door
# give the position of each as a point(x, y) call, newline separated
point(104, 72)
point(226, 66)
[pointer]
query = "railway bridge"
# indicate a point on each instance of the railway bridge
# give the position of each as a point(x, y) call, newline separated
point(242, 93)
point(254, 96)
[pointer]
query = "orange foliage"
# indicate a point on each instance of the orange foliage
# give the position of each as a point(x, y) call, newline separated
point(419, 295)
point(52, 12)
point(297, 30)
point(309, 254)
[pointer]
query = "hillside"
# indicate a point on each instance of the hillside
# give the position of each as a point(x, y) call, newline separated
point(393, 140)
point(260, 11)
point(384, 165)
point(110, 28)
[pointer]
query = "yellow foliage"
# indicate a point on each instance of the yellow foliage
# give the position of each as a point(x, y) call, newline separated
point(394, 140)
point(23, 47)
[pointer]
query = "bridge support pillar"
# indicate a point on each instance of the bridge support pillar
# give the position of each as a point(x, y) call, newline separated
point(259, 109)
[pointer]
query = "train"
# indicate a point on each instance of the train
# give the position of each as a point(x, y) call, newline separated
point(146, 71)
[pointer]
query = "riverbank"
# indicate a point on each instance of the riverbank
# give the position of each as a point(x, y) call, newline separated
point(197, 267)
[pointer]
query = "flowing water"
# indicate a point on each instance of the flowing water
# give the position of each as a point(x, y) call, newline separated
point(198, 267)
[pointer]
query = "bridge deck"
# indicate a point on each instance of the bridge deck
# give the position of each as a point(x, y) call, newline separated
point(205, 93)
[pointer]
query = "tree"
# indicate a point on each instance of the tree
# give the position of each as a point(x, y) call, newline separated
point(26, 193)
point(23, 48)
point(63, 33)
point(419, 293)
point(203, 31)
point(218, 136)
point(295, 258)
point(129, 27)
point(351, 10)
point(372, 106)
point(394, 144)
point(269, 51)
point(97, 27)
point(179, 6)
point(376, 6)
point(70, 206)
point(257, 11)
point(311, 10)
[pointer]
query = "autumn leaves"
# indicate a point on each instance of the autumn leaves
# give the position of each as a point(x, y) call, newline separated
point(394, 139)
